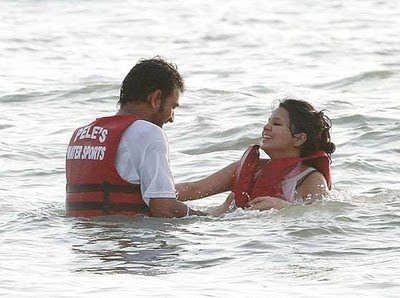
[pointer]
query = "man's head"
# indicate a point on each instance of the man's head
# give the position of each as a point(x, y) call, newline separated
point(148, 76)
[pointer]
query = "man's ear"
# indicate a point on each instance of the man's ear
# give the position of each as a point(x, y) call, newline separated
point(154, 99)
point(300, 139)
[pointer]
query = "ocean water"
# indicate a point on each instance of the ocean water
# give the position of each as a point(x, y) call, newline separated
point(62, 63)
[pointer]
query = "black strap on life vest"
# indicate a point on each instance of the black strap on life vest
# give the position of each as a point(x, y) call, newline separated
point(106, 188)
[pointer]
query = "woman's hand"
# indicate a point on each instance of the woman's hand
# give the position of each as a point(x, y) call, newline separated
point(265, 203)
point(224, 207)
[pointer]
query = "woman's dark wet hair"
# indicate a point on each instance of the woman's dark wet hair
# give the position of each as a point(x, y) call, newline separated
point(316, 125)
point(147, 76)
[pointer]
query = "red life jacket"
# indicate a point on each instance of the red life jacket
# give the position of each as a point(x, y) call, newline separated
point(269, 182)
point(94, 186)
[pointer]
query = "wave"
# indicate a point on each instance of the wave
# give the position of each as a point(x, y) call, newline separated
point(91, 88)
point(362, 77)
point(26, 96)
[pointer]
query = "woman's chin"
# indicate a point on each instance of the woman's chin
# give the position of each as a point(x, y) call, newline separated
point(264, 147)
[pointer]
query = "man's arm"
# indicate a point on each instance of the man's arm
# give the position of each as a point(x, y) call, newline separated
point(170, 208)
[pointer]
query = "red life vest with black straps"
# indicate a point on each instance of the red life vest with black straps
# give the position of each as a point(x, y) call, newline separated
point(94, 186)
point(247, 186)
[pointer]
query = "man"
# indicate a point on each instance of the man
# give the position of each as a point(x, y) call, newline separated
point(119, 165)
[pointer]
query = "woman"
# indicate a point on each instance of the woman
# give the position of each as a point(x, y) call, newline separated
point(297, 140)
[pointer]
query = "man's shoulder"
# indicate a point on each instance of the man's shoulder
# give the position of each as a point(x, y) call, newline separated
point(144, 130)
point(145, 126)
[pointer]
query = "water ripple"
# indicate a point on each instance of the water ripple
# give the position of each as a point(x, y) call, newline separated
point(364, 77)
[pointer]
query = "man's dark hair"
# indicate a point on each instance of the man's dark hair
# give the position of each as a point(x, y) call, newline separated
point(147, 76)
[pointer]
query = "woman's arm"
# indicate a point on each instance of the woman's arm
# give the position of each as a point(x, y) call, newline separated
point(216, 183)
point(313, 188)
point(265, 203)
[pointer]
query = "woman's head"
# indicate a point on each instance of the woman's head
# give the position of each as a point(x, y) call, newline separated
point(305, 120)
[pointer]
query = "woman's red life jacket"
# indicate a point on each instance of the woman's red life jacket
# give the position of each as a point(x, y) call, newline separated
point(246, 186)
point(94, 186)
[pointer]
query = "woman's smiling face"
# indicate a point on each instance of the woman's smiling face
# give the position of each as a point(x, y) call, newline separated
point(277, 139)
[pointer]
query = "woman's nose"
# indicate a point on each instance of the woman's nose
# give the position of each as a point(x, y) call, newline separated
point(267, 126)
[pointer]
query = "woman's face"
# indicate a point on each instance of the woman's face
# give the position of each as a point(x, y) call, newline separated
point(277, 140)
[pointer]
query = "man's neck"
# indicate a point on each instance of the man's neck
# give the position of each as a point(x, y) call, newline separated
point(141, 110)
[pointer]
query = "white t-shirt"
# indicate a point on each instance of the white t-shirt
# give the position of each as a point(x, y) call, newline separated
point(143, 158)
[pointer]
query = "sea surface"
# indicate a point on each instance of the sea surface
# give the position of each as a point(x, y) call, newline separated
point(61, 65)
